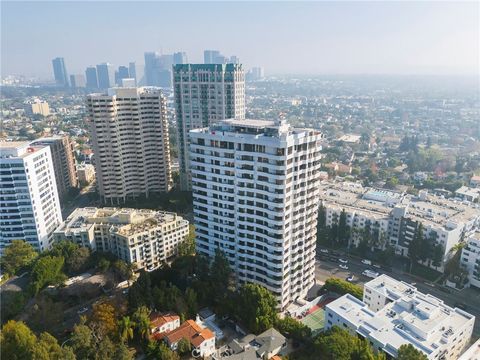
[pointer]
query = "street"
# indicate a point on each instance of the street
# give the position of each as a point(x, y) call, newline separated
point(326, 268)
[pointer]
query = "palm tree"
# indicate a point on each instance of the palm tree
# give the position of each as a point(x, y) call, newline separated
point(125, 328)
point(142, 320)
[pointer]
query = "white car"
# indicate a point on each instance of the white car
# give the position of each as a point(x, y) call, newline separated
point(343, 261)
point(371, 274)
point(325, 251)
point(343, 266)
point(82, 310)
point(366, 262)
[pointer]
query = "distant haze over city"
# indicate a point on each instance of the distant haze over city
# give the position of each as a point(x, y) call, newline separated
point(298, 38)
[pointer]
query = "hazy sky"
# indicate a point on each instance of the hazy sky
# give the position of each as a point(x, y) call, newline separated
point(284, 37)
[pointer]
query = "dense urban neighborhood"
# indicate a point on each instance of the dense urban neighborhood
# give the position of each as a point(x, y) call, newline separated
point(205, 210)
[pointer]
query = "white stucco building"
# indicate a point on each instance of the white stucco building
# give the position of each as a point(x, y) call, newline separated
point(147, 238)
point(394, 313)
point(30, 208)
point(255, 197)
point(470, 259)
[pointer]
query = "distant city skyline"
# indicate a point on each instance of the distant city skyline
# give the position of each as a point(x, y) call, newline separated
point(284, 37)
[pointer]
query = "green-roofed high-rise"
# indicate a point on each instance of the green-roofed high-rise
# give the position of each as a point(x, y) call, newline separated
point(204, 94)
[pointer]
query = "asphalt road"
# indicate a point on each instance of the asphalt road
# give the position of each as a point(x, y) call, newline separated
point(326, 268)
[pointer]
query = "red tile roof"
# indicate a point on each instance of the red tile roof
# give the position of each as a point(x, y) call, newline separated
point(158, 320)
point(191, 331)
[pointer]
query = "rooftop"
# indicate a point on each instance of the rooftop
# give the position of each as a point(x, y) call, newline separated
point(191, 331)
point(411, 317)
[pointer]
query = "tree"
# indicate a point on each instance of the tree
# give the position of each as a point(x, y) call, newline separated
point(122, 352)
point(409, 352)
point(339, 344)
point(141, 317)
point(184, 346)
point(122, 270)
point(103, 264)
point(187, 247)
point(256, 307)
point(160, 351)
point(125, 329)
point(437, 256)
point(103, 319)
point(105, 350)
point(140, 293)
point(343, 228)
point(78, 261)
point(47, 348)
point(82, 341)
point(415, 246)
point(342, 287)
point(191, 302)
point(293, 329)
point(17, 255)
point(47, 270)
point(17, 341)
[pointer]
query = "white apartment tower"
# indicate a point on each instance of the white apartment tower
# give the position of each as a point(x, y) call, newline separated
point(204, 94)
point(129, 130)
point(29, 209)
point(255, 197)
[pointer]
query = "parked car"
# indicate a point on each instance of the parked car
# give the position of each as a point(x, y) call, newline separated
point(366, 262)
point(370, 273)
point(82, 310)
point(343, 261)
point(325, 251)
point(343, 266)
point(350, 278)
point(428, 283)
point(377, 266)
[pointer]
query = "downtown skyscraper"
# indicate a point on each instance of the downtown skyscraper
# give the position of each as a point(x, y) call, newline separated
point(255, 198)
point(60, 72)
point(204, 94)
point(129, 131)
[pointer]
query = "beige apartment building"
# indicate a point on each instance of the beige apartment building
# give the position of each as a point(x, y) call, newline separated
point(129, 132)
point(63, 162)
point(147, 238)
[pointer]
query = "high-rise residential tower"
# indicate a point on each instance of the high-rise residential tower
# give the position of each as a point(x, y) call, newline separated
point(129, 130)
point(211, 56)
point(77, 81)
point(255, 197)
point(205, 93)
point(60, 71)
point(120, 74)
point(91, 77)
point(30, 208)
point(63, 159)
point(105, 76)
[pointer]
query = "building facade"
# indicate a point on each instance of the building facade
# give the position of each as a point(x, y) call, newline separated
point(255, 197)
point(38, 107)
point(394, 313)
point(105, 76)
point(129, 131)
point(204, 94)
point(30, 207)
point(91, 77)
point(86, 174)
point(470, 259)
point(391, 218)
point(64, 165)
point(60, 71)
point(147, 238)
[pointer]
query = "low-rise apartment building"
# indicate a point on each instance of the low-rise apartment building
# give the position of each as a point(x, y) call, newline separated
point(147, 238)
point(394, 313)
point(470, 259)
point(391, 218)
